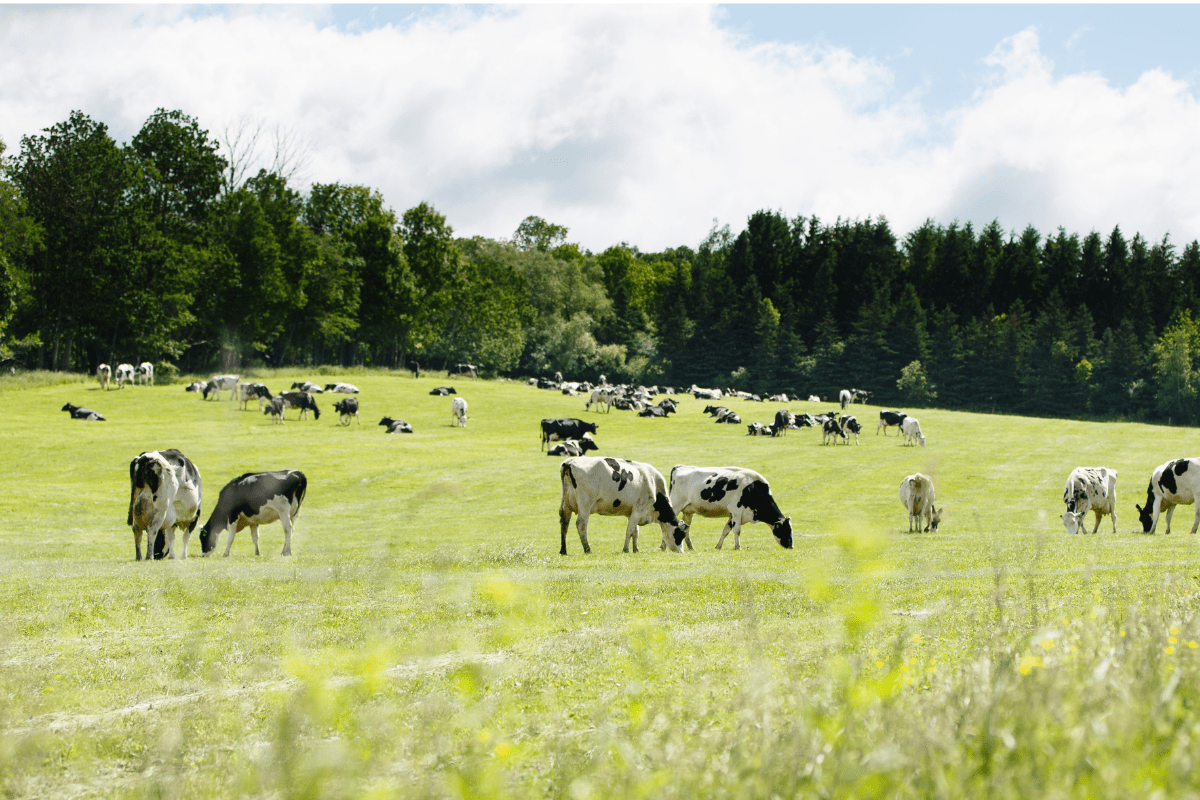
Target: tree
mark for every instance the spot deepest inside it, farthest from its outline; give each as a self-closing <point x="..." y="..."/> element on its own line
<point x="1174" y="371"/>
<point x="434" y="261"/>
<point x="534" y="233"/>
<point x="914" y="385"/>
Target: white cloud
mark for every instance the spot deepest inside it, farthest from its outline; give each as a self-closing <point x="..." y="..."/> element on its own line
<point x="635" y="123"/>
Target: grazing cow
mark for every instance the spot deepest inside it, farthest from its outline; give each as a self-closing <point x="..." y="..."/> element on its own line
<point x="395" y="425"/>
<point x="467" y="369"/>
<point x="573" y="447"/>
<point x="602" y="397"/>
<point x="911" y="429"/>
<point x="844" y="397"/>
<point x="611" y="487"/>
<point x="346" y="409"/>
<point x="253" y="499"/>
<point x="735" y="492"/>
<point x="458" y="412"/>
<point x="145" y="374"/>
<point x="443" y="391"/>
<point x="888" y="418"/>
<point x="164" y="496"/>
<point x="812" y="398"/>
<point x="341" y="388"/>
<point x="195" y="387"/>
<point x="565" y="428"/>
<point x="78" y="412"/>
<point x="303" y="401"/>
<point x="1174" y="483"/>
<point x="307" y="386"/>
<point x="275" y="409"/>
<point x="124" y="373"/>
<point x="219" y="383"/>
<point x="104" y="374"/>
<point x="1090" y="488"/>
<point x="850" y="425"/>
<point x="917" y="496"/>
<point x="252" y="391"/>
<point x="653" y="411"/>
<point x="831" y="430"/>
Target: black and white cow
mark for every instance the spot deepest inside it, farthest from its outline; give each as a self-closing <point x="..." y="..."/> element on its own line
<point x="303" y="401"/>
<point x="812" y="398"/>
<point x="124" y="373"/>
<point x="911" y="429"/>
<point x="741" y="494"/>
<point x="252" y="391"/>
<point x="758" y="429"/>
<point x="1090" y="488"/>
<point x="850" y="425"/>
<point x="253" y="499"/>
<point x="601" y="396"/>
<point x="145" y="374"/>
<point x="458" y="412"/>
<point x="442" y="391"/>
<point x="467" y="369"/>
<point x="165" y="493"/>
<point x="917" y="496"/>
<point x="783" y="421"/>
<point x="395" y="425"/>
<point x="104" y="375"/>
<point x="653" y="411"/>
<point x="565" y="428"/>
<point x="859" y="396"/>
<point x="729" y="418"/>
<point x="616" y="487"/>
<point x="341" y="388"/>
<point x="844" y="397"/>
<point x="705" y="394"/>
<point x="307" y="386"/>
<point x="274" y="407"/>
<point x="346" y="409"/>
<point x="888" y="418"/>
<point x="220" y="383"/>
<point x="195" y="387"/>
<point x="1172" y="484"/>
<point x="574" y="447"/>
<point x="78" y="412"/>
<point x="668" y="405"/>
<point x="830" y="429"/>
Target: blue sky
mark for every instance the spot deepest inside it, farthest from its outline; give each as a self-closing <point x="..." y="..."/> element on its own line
<point x="645" y="123"/>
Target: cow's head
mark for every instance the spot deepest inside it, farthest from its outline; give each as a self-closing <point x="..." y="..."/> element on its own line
<point x="1146" y="515"/>
<point x="783" y="532"/>
<point x="935" y="519"/>
<point x="1072" y="520"/>
<point x="208" y="542"/>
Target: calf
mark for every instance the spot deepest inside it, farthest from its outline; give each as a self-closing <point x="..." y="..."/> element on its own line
<point x="301" y="400"/>
<point x="395" y="425"/>
<point x="917" y="496"/>
<point x="253" y="499"/>
<point x="830" y="429"/>
<point x="78" y="412"/>
<point x="573" y="447"/>
<point x="220" y="383"/>
<point x="1173" y="483"/>
<point x="850" y="425"/>
<point x="888" y="418"/>
<point x="741" y="494"/>
<point x="341" y="388"/>
<point x="307" y="386"/>
<point x="274" y="407"/>
<point x="565" y="428"/>
<point x="911" y="429"/>
<point x="104" y="374"/>
<point x="442" y="391"/>
<point x="1090" y="488"/>
<point x="124" y="373"/>
<point x="458" y="412"/>
<point x="616" y="487"/>
<point x="346" y="409"/>
<point x="252" y="391"/>
<point x="602" y="397"/>
<point x="164" y="496"/>
<point x="145" y="374"/>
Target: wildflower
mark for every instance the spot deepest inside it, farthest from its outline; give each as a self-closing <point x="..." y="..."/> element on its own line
<point x="503" y="750"/>
<point x="485" y="735"/>
<point x="1048" y="643"/>
<point x="916" y="637"/>
<point x="1174" y="631"/>
<point x="1192" y="644"/>
<point x="879" y="664"/>
<point x="1170" y="651"/>
<point x="1172" y="640"/>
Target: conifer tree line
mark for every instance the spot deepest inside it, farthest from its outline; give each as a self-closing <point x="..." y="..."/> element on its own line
<point x="163" y="250"/>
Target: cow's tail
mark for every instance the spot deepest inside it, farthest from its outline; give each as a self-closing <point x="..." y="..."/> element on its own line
<point x="671" y="484"/>
<point x="566" y="474"/>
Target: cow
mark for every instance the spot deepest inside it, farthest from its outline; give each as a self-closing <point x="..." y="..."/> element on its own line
<point x="729" y="418"/>
<point x="705" y="394"/>
<point x="888" y="418"/>
<point x="443" y="391"/>
<point x="219" y="383"/>
<point x="458" y="412"/>
<point x="917" y="496"/>
<point x="307" y="386"/>
<point x="301" y="400"/>
<point x="197" y="387"/>
<point x="602" y="397"/>
<point x="252" y="391"/>
<point x="145" y="374"/>
<point x="911" y="429"/>
<point x="341" y="388"/>
<point x="668" y="405"/>
<point x="612" y="487"/>
<point x="603" y="380"/>
<point x="395" y="425"/>
<point x="346" y="409"/>
<point x="783" y="421"/>
<point x="1173" y="483"/>
<point x="850" y="425"/>
<point x="467" y="369"/>
<point x="565" y="428"/>
<point x="573" y="447"/>
<point x="104" y="374"/>
<point x="741" y="494"/>
<point x="778" y="398"/>
<point x="844" y="397"/>
<point x="758" y="429"/>
<point x="164" y="497"/>
<point x="1090" y="488"/>
<point x="274" y="407"/>
<point x="812" y="398"/>
<point x="830" y="429"/>
<point x="653" y="411"/>
<point x="78" y="412"/>
<point x="253" y="499"/>
<point x="859" y="396"/>
<point x="124" y="373"/>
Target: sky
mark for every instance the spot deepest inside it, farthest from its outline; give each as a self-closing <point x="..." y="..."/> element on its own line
<point x="648" y="124"/>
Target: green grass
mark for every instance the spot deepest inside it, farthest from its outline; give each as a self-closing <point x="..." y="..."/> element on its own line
<point x="427" y="640"/>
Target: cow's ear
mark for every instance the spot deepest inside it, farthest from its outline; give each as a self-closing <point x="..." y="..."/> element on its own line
<point x="1139" y="508"/>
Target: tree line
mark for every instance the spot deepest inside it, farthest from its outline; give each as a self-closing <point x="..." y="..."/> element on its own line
<point x="167" y="249"/>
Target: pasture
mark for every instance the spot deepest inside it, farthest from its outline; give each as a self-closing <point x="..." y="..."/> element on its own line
<point x="426" y="639"/>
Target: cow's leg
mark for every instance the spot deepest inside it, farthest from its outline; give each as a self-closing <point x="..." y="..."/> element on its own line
<point x="187" y="535"/>
<point x="725" y="532"/>
<point x="631" y="534"/>
<point x="228" y="544"/>
<point x="687" y="537"/>
<point x="1170" y="512"/>
<point x="1196" y="524"/>
<point x="286" y="521"/>
<point x="254" y="538"/>
<point x="564" y="519"/>
<point x="169" y="533"/>
<point x="581" y="521"/>
<point x="137" y="545"/>
<point x="1099" y="514"/>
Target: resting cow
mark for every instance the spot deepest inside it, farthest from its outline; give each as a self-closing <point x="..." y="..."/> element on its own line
<point x="442" y="391"/>
<point x="574" y="447"/>
<point x="616" y="487"/>
<point x="78" y="412"/>
<point x="342" y="388"/>
<point x="307" y="386"/>
<point x="253" y="499"/>
<point x="164" y="496"/>
<point x="1173" y="483"/>
<point x="917" y="496"/>
<point x="1090" y="488"/>
<point x="741" y="494"/>
<point x="395" y="425"/>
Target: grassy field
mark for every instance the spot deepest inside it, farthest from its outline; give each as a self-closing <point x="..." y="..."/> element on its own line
<point x="427" y="640"/>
